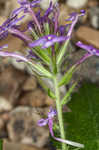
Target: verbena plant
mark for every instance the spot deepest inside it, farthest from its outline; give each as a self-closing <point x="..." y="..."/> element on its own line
<point x="47" y="46"/>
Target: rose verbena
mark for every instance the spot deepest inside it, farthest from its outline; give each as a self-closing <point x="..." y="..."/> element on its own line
<point x="47" y="45"/>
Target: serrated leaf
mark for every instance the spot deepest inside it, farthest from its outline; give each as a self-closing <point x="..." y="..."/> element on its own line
<point x="62" y="52"/>
<point x="40" y="70"/>
<point x="51" y="94"/>
<point x="83" y="121"/>
<point x="67" y="77"/>
<point x="68" y="93"/>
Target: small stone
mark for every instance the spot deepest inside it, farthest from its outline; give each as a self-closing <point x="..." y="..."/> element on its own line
<point x="97" y="68"/>
<point x="49" y="101"/>
<point x="33" y="98"/>
<point x="92" y="3"/>
<point x="76" y="4"/>
<point x="7" y="145"/>
<point x="88" y="36"/>
<point x="1" y="123"/>
<point x="22" y="127"/>
<point x="30" y="84"/>
<point x="10" y="82"/>
<point x="4" y="105"/>
<point x="94" y="17"/>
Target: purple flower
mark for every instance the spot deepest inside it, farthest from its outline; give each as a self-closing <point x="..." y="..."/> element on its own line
<point x="26" y="7"/>
<point x="49" y="120"/>
<point x="74" y="18"/>
<point x="10" y="54"/>
<point x="8" y="25"/>
<point x="47" y="41"/>
<point x="62" y="29"/>
<point x="48" y="11"/>
<point x="89" y="48"/>
<point x="4" y="46"/>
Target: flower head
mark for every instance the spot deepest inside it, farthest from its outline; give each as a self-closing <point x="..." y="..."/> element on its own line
<point x="25" y="6"/>
<point x="49" y="120"/>
<point x="47" y="41"/>
<point x="89" y="48"/>
<point x="74" y="18"/>
<point x="9" y="24"/>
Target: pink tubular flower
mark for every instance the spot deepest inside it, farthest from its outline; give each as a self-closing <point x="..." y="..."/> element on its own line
<point x="49" y="121"/>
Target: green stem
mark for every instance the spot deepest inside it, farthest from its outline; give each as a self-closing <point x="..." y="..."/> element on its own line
<point x="59" y="111"/>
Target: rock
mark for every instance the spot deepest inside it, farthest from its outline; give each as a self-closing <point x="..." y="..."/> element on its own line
<point x="4" y="105"/>
<point x="22" y="127"/>
<point x="16" y="146"/>
<point x="88" y="70"/>
<point x="94" y="17"/>
<point x="1" y="124"/>
<point x="88" y="36"/>
<point x="49" y="101"/>
<point x="92" y="3"/>
<point x="30" y="84"/>
<point x="10" y="84"/>
<point x="45" y="3"/>
<point x="5" y="8"/>
<point x="76" y="4"/>
<point x="34" y="98"/>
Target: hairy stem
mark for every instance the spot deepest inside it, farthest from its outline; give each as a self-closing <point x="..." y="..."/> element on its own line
<point x="59" y="111"/>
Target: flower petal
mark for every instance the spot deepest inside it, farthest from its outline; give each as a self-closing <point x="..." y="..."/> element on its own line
<point x="88" y="48"/>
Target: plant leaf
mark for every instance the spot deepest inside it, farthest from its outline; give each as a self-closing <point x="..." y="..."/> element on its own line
<point x="42" y="54"/>
<point x="67" y="77"/>
<point x="51" y="94"/>
<point x="40" y="70"/>
<point x="68" y="93"/>
<point x="47" y="29"/>
<point x="83" y="121"/>
<point x="62" y="52"/>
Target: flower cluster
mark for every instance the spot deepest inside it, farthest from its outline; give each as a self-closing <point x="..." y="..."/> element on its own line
<point x="47" y="44"/>
<point x="49" y="121"/>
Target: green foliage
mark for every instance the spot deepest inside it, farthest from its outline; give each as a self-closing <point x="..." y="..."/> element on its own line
<point x="67" y="77"/>
<point x="51" y="94"/>
<point x="42" y="55"/>
<point x="47" y="28"/>
<point x="1" y="144"/>
<point x="62" y="52"/>
<point x="68" y="93"/>
<point x="83" y="122"/>
<point x="40" y="70"/>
